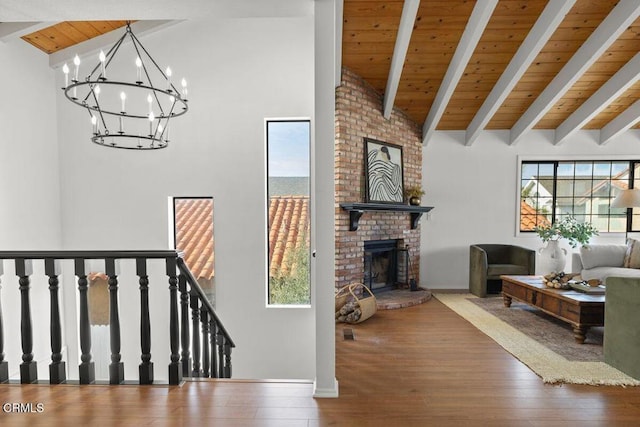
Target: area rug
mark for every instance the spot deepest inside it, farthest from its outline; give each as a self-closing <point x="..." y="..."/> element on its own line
<point x="554" y="367"/>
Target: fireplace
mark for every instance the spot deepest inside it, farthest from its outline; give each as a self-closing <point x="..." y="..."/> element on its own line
<point x="384" y="264"/>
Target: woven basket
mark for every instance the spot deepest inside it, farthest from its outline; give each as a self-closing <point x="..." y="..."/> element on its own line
<point x="367" y="304"/>
<point x="342" y="296"/>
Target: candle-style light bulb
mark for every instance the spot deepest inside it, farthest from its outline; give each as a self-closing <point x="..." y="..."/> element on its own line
<point x="123" y="98"/>
<point x="76" y="62"/>
<point x="103" y="58"/>
<point x="65" y="70"/>
<point x="138" y="70"/>
<point x="150" y="100"/>
<point x="96" y="91"/>
<point x="160" y="130"/>
<point x="151" y="119"/>
<point x="184" y="88"/>
<point x="94" y="122"/>
<point x="168" y="73"/>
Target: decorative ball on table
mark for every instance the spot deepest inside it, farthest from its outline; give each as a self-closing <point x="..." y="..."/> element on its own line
<point x="558" y="280"/>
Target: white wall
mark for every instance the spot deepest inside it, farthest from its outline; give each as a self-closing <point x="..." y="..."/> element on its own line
<point x="239" y="71"/>
<point x="474" y="192"/>
<point x="29" y="186"/>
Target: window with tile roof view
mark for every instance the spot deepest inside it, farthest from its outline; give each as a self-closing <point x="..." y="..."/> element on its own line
<point x="583" y="189"/>
<point x="288" y="211"/>
<point x="193" y="222"/>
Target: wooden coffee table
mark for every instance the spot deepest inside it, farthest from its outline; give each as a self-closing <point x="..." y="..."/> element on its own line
<point x="579" y="309"/>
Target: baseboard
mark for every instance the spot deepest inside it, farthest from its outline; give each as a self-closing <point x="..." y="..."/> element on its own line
<point x="324" y="393"/>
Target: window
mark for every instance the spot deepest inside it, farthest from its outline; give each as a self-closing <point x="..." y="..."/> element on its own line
<point x="552" y="190"/>
<point x="288" y="213"/>
<point x="193" y="228"/>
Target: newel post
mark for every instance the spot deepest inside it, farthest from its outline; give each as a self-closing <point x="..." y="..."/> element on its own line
<point x="4" y="366"/>
<point x="57" y="368"/>
<point x="28" y="367"/>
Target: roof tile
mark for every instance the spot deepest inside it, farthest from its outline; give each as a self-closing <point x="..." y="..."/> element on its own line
<point x="288" y="230"/>
<point x="194" y="235"/>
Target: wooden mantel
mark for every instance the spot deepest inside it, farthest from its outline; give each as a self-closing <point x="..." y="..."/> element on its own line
<point x="357" y="209"/>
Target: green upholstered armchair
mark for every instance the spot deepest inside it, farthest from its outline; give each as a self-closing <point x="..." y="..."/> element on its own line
<point x="488" y="262"/>
<point x="622" y="325"/>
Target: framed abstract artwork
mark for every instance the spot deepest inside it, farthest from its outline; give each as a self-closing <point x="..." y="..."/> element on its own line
<point x="383" y="172"/>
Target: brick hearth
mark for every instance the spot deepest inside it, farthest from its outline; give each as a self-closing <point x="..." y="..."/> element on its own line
<point x="359" y="115"/>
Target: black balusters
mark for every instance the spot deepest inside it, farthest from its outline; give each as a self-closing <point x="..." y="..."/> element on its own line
<point x="57" y="368"/>
<point x="212" y="342"/>
<point x="87" y="367"/>
<point x="184" y="324"/>
<point x="201" y="347"/>
<point x="28" y="367"/>
<point x="204" y="321"/>
<point x="4" y="366"/>
<point x="116" y="367"/>
<point x="175" y="373"/>
<point x="195" y="313"/>
<point x="227" y="358"/>
<point x="219" y="344"/>
<point x="145" y="369"/>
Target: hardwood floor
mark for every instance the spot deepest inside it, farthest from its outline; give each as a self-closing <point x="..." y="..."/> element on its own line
<point x="418" y="366"/>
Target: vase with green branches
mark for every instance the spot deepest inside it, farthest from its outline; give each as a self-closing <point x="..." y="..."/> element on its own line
<point x="575" y="232"/>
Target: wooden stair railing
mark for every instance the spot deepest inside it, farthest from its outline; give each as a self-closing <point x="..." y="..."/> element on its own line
<point x="216" y="341"/>
<point x="184" y="293"/>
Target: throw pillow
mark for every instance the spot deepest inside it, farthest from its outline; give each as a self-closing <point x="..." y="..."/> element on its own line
<point x="632" y="256"/>
<point x="593" y="256"/>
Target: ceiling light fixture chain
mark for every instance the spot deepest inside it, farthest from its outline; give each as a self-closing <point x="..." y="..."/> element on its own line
<point x="132" y="112"/>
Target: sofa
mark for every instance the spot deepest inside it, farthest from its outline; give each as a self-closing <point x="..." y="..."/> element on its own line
<point x="621" y="320"/>
<point x="603" y="261"/>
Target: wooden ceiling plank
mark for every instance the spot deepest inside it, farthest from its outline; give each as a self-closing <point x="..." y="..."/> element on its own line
<point x="94" y="45"/>
<point x="72" y="32"/>
<point x="542" y="30"/>
<point x="407" y="21"/>
<point x="473" y="31"/>
<point x="58" y="36"/>
<point x="608" y="92"/>
<point x="13" y="30"/>
<point x="621" y="17"/>
<point x="40" y="41"/>
<point x="624" y="121"/>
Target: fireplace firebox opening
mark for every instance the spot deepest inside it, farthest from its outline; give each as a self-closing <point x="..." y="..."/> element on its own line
<point x="385" y="264"/>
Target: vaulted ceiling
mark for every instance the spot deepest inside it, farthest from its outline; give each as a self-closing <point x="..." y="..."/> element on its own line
<point x="509" y="64"/>
<point x="474" y="65"/>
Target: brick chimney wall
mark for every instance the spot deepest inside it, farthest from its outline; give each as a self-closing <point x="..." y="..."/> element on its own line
<point x="359" y="115"/>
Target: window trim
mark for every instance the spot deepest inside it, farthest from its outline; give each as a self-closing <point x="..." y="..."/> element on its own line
<point x="268" y="120"/>
<point x="560" y="158"/>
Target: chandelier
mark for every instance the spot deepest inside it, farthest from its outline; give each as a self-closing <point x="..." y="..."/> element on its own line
<point x="132" y="112"/>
